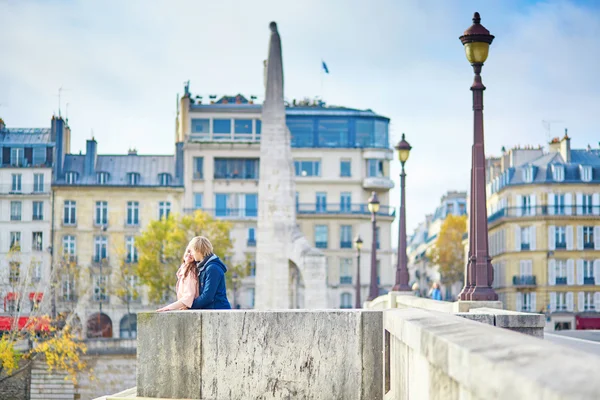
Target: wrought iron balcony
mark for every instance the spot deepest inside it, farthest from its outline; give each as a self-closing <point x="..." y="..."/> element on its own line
<point x="524" y="280"/>
<point x="25" y="189"/>
<point x="544" y="210"/>
<point x="251" y="242"/>
<point x="345" y="280"/>
<point x="589" y="280"/>
<point x="562" y="280"/>
<point x="301" y="209"/>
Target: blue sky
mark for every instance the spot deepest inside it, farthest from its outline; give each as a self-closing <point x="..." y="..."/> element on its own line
<point x="121" y="65"/>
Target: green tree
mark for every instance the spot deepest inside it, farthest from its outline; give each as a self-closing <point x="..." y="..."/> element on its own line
<point x="162" y="244"/>
<point x="448" y="251"/>
<point x="124" y="283"/>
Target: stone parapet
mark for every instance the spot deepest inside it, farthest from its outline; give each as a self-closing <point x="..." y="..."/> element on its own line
<point x="260" y="354"/>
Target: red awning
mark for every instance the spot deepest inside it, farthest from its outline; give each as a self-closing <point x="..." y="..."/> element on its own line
<point x="37" y="296"/>
<point x="7" y="323"/>
<point x="587" y="322"/>
<point x="11" y="296"/>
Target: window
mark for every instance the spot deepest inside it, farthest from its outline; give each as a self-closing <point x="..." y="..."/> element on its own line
<point x="586" y="173"/>
<point x="346" y="236"/>
<point x="243" y="126"/>
<point x="37" y="241"/>
<point x="221" y="128"/>
<point x="251" y="205"/>
<point x="588" y="301"/>
<point x="302" y="131"/>
<point x="71" y="178"/>
<point x="16" y="183"/>
<point x="345" y="271"/>
<point x="38" y="211"/>
<point x="561" y="272"/>
<point x="69" y="246"/>
<point x="381" y="134"/>
<point x="449" y="208"/>
<point x="17" y="157"/>
<point x="100" y="245"/>
<point x="251" y="296"/>
<point x="307" y="168"/>
<point x="527" y="205"/>
<point x="321" y="205"/>
<point x="101" y="213"/>
<point x="528" y="174"/>
<point x="333" y="132"/>
<point x="36" y="271"/>
<point x="38" y="183"/>
<point x="346" y="300"/>
<point x="378" y="236"/>
<point x="14" y="274"/>
<point x="198" y="167"/>
<point x="258" y="126"/>
<point x="236" y="168"/>
<point x="133" y="178"/>
<point x="70" y="216"/>
<point x="198" y="201"/>
<point x="15" y="210"/>
<point x="525" y="238"/>
<point x="128" y="327"/>
<point x="321" y="236"/>
<point x="588" y="272"/>
<point x="164" y="209"/>
<point x="236" y="204"/>
<point x="462" y="208"/>
<point x="132" y="282"/>
<point x="559" y="204"/>
<point x="345" y="202"/>
<point x="345" y="168"/>
<point x="253" y="265"/>
<point x="100" y="288"/>
<point x="251" y="237"/>
<point x="133" y="213"/>
<point x="201" y="126"/>
<point x="39" y="155"/>
<point x="586" y="204"/>
<point x="558" y="173"/>
<point x="588" y="237"/>
<point x="375" y="168"/>
<point x="132" y="254"/>
<point x="102" y="178"/>
<point x="164" y="179"/>
<point x="68" y="288"/>
<point x="560" y="237"/>
<point x="15" y="241"/>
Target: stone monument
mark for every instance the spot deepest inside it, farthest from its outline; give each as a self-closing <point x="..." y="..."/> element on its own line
<point x="290" y="273"/>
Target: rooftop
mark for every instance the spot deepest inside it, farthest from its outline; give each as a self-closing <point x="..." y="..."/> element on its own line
<point x="25" y="136"/>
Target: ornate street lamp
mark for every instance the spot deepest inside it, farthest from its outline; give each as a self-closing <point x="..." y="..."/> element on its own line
<point x="374" y="209"/>
<point x="479" y="276"/>
<point x="358" y="244"/>
<point x="401" y="283"/>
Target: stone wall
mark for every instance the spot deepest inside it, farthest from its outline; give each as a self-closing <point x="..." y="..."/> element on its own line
<point x="292" y="354"/>
<point x="433" y="355"/>
<point x="16" y="387"/>
<point x="112" y="373"/>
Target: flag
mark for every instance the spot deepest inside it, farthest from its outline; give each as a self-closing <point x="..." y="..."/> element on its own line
<point x="325" y="67"/>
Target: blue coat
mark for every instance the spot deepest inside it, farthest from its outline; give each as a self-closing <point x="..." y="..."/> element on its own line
<point x="213" y="292"/>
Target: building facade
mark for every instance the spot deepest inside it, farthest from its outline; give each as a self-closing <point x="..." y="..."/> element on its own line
<point x="340" y="156"/>
<point x="544" y="232"/>
<point x="26" y="159"/>
<point x="101" y="203"/>
<point x="421" y="269"/>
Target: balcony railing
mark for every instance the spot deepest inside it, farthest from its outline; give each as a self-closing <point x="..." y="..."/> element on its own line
<point x="589" y="280"/>
<point x="544" y="210"/>
<point x="524" y="280"/>
<point x="345" y="245"/>
<point x="98" y="260"/>
<point x="345" y="280"/>
<point x="25" y="189"/>
<point x="301" y="209"/>
<point x="251" y="243"/>
<point x="321" y="245"/>
<point x="561" y="280"/>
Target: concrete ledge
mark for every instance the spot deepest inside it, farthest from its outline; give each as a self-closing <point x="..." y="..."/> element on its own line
<point x="424" y="303"/>
<point x="432" y="355"/>
<point x="527" y="323"/>
<point x="260" y="354"/>
<point x="466" y="306"/>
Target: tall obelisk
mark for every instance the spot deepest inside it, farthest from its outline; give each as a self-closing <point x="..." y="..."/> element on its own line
<point x="280" y="245"/>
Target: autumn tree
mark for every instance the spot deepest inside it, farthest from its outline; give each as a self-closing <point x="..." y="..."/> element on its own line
<point x="124" y="282"/>
<point x="33" y="333"/>
<point x="448" y="251"/>
<point x="162" y="244"/>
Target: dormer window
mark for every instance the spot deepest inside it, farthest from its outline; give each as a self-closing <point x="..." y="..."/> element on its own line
<point x="71" y="178"/>
<point x="586" y="173"/>
<point x="133" y="178"/>
<point x="164" y="179"/>
<point x="102" y="178"/>
<point x="528" y="174"/>
<point x="558" y="173"/>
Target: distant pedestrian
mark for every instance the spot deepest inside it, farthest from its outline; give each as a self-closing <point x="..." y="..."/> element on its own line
<point x="436" y="293"/>
<point x="416" y="290"/>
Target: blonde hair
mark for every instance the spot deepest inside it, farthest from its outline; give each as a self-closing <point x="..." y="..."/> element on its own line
<point x="201" y="245"/>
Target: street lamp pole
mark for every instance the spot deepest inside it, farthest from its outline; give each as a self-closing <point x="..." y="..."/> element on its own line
<point x="401" y="283"/>
<point x="358" y="243"/>
<point x="480" y="274"/>
<point x="373" y="208"/>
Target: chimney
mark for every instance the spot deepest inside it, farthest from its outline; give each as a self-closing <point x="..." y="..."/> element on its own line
<point x="565" y="147"/>
<point x="90" y="157"/>
<point x="132" y="152"/>
<point x="554" y="145"/>
<point x="57" y="135"/>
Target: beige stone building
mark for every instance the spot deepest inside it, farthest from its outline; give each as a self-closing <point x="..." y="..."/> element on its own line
<point x="340" y="156"/>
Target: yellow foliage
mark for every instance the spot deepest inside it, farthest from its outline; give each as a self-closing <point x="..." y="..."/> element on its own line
<point x="9" y="357"/>
<point x="63" y="353"/>
<point x="448" y="252"/>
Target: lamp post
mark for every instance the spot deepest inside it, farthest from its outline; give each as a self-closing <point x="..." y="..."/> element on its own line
<point x="479" y="276"/>
<point x="358" y="244"/>
<point x="374" y="209"/>
<point x="401" y="283"/>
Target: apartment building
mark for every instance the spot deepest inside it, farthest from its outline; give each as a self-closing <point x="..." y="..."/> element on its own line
<point x="340" y="155"/>
<point x="544" y="232"/>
